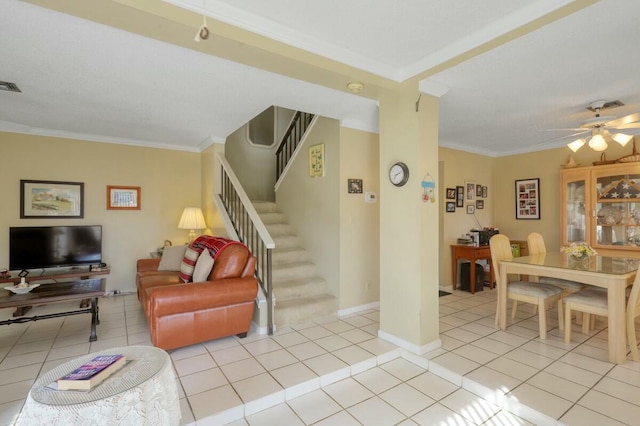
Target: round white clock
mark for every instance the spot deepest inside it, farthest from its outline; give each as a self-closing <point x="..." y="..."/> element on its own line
<point x="399" y="173"/>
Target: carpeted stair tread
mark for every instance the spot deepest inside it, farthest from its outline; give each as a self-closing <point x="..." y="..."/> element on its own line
<point x="290" y="271"/>
<point x="296" y="311"/>
<point x="288" y="255"/>
<point x="264" y="206"/>
<point x="289" y="289"/>
<point x="279" y="229"/>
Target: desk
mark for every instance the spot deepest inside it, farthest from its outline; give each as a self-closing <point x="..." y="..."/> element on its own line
<point x="612" y="273"/>
<point x="471" y="253"/>
<point x="143" y="392"/>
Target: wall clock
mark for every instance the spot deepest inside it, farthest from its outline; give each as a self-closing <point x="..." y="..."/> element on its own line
<point x="399" y="173"/>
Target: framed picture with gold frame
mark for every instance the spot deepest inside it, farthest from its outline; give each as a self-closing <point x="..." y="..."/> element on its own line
<point x="123" y="197"/>
<point x="316" y="160"/>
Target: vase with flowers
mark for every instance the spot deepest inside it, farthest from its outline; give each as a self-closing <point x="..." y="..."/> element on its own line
<point x="579" y="250"/>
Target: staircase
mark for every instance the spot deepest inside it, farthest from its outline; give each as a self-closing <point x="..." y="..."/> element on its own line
<point x="300" y="294"/>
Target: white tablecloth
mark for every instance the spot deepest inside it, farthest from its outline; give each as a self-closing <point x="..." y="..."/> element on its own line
<point x="143" y="392"/>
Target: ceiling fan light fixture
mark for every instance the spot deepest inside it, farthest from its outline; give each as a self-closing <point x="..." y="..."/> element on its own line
<point x="597" y="143"/>
<point x="576" y="145"/>
<point x="622" y="139"/>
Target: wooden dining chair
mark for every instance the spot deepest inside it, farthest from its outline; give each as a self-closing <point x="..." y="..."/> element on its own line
<point x="539" y="294"/>
<point x="536" y="245"/>
<point x="594" y="302"/>
<point x="633" y="311"/>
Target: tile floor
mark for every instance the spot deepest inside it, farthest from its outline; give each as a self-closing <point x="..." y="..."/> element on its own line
<point x="337" y="372"/>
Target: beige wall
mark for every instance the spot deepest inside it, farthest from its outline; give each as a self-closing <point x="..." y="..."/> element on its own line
<point x="312" y="204"/>
<point x="170" y="181"/>
<point x="409" y="258"/>
<point x="359" y="220"/>
<point x="456" y="168"/>
<point x="210" y="187"/>
<point x="258" y="180"/>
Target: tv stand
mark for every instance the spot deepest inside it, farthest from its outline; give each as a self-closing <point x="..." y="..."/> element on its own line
<point x="52" y="274"/>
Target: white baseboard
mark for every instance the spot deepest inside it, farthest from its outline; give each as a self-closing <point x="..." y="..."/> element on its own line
<point x="356" y="309"/>
<point x="420" y="350"/>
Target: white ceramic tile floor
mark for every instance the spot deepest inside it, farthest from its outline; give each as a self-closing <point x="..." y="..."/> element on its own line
<point x="335" y="371"/>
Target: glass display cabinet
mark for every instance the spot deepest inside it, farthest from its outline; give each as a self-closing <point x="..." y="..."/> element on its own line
<point x="601" y="205"/>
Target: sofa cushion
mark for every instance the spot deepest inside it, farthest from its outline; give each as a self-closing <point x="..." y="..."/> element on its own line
<point x="172" y="258"/>
<point x="189" y="262"/>
<point x="203" y="267"/>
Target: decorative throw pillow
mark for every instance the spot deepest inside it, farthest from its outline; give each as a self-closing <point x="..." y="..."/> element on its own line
<point x="172" y="258"/>
<point x="203" y="267"/>
<point x="189" y="262"/>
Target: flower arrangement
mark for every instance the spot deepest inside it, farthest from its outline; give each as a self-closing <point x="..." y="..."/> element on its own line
<point x="579" y="250"/>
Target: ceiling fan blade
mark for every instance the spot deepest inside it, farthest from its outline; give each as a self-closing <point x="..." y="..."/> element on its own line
<point x="628" y="126"/>
<point x="573" y="135"/>
<point x="628" y="131"/>
<point x="577" y="129"/>
<point x="622" y="121"/>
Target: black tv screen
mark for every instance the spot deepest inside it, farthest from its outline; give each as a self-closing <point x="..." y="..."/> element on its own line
<point x="36" y="247"/>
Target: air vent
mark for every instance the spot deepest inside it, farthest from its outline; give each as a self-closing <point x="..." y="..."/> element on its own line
<point x="9" y="87"/>
<point x="606" y="105"/>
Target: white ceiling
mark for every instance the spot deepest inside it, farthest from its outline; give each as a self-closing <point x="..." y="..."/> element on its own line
<point x="85" y="80"/>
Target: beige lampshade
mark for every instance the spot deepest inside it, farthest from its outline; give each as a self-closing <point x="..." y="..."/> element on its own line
<point x="192" y="219"/>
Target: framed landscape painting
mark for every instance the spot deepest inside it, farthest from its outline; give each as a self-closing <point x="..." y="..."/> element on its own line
<point x="47" y="199"/>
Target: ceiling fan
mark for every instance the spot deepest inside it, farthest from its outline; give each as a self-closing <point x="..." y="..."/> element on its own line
<point x="599" y="129"/>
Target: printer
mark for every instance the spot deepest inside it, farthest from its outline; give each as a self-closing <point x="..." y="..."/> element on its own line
<point x="481" y="237"/>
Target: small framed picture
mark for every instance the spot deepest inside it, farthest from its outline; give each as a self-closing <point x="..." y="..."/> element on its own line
<point x="469" y="191"/>
<point x="459" y="196"/>
<point x="484" y="192"/>
<point x="478" y="190"/>
<point x="451" y="193"/>
<point x="471" y="209"/>
<point x="123" y="197"/>
<point x="480" y="204"/>
<point x="451" y="206"/>
<point x="354" y="186"/>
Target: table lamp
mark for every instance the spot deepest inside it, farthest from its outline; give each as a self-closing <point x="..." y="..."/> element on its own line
<point x="192" y="219"/>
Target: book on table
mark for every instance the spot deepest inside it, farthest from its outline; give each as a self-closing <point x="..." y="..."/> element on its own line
<point x="92" y="373"/>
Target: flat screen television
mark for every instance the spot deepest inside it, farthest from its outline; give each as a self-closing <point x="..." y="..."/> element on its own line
<point x="35" y="247"/>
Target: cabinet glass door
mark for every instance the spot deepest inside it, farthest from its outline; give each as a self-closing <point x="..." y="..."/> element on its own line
<point x="618" y="210"/>
<point x="575" y="213"/>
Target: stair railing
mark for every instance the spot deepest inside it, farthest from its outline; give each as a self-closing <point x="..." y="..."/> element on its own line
<point x="291" y="139"/>
<point x="250" y="230"/>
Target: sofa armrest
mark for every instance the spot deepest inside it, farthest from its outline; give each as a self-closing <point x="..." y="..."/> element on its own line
<point x="180" y="298"/>
<point x="145" y="265"/>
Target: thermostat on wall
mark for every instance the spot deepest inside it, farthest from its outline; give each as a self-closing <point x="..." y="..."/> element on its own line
<point x="370" y="197"/>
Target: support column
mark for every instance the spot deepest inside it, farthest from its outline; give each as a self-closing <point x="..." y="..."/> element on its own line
<point x="408" y="225"/>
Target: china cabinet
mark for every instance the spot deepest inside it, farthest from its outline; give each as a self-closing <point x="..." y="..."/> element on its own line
<point x="601" y="205"/>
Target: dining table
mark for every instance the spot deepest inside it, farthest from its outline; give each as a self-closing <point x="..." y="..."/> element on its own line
<point x="611" y="273"/>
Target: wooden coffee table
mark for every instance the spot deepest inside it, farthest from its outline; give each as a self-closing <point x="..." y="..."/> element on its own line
<point x="89" y="289"/>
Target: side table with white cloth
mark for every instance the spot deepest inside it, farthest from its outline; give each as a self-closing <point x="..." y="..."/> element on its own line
<point x="143" y="392"/>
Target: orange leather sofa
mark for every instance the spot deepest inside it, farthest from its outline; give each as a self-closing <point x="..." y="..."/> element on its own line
<point x="181" y="314"/>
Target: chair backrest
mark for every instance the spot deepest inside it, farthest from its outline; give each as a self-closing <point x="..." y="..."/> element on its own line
<point x="500" y="247"/>
<point x="535" y="242"/>
<point x="633" y="304"/>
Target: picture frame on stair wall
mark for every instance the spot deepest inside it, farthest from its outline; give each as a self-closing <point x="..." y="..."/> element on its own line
<point x="316" y="160"/>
